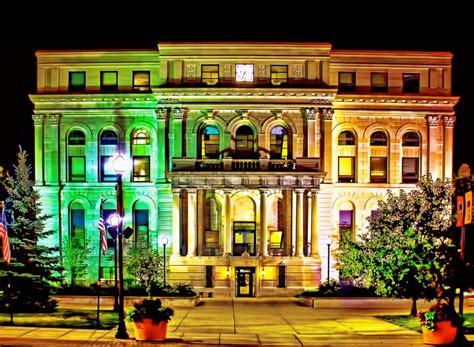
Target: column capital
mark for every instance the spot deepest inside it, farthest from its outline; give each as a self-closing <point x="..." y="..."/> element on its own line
<point x="328" y="113"/>
<point x="191" y="190"/>
<point x="161" y="112"/>
<point x="312" y="113"/>
<point x="432" y="119"/>
<point x="449" y="121"/>
<point x="54" y="118"/>
<point x="177" y="113"/>
<point x="176" y="190"/>
<point x="38" y="119"/>
<point x="314" y="191"/>
<point x="300" y="190"/>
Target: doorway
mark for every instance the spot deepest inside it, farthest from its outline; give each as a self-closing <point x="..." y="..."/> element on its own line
<point x="244" y="281"/>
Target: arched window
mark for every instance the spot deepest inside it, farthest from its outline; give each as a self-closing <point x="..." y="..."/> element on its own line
<point x="378" y="138"/>
<point x="109" y="137"/>
<point x="346" y="138"/>
<point x="210" y="142"/>
<point x="141" y="225"/>
<point x="76" y="137"/>
<point x="141" y="137"/>
<point x="410" y="139"/>
<point x="211" y="223"/>
<point x="278" y="143"/>
<point x="107" y="149"/>
<point x="77" y="225"/>
<point x="244" y="142"/>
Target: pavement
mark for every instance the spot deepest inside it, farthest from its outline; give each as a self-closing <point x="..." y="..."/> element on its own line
<point x="254" y="322"/>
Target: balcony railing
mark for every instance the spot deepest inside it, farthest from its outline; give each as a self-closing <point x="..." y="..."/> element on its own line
<point x="231" y="164"/>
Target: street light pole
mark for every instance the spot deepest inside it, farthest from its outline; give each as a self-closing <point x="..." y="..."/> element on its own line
<point x="119" y="166"/>
<point x="328" y="242"/>
<point x="164" y="242"/>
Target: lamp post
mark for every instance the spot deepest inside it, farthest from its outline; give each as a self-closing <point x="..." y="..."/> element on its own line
<point x="120" y="165"/>
<point x="328" y="243"/>
<point x="164" y="242"/>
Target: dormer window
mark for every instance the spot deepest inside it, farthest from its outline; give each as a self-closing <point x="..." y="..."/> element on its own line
<point x="279" y="74"/>
<point x="210" y="74"/>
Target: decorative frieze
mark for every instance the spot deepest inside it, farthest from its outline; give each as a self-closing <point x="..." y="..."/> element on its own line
<point x="261" y="70"/>
<point x="297" y="71"/>
<point x="191" y="71"/>
<point x="226" y="70"/>
<point x="433" y="120"/>
<point x="321" y="101"/>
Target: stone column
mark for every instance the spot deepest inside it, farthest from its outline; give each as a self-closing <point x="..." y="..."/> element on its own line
<point x="54" y="148"/>
<point x="314" y="223"/>
<point x="192" y="192"/>
<point x="175" y="134"/>
<point x="227" y="224"/>
<point x="299" y="222"/>
<point x="263" y="224"/>
<point x="327" y="143"/>
<point x="161" y="115"/>
<point x="39" y="142"/>
<point x="176" y="221"/>
<point x="448" y="145"/>
<point x="311" y="143"/>
<point x="433" y="168"/>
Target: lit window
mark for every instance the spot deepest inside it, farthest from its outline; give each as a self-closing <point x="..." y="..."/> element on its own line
<point x="108" y="81"/>
<point x="244" y="72"/>
<point x="141" y="169"/>
<point x="278" y="143"/>
<point x="141" y="137"/>
<point x="378" y="138"/>
<point x="141" y="226"/>
<point x="411" y="83"/>
<point x="279" y="74"/>
<point x="346" y="138"/>
<point x="210" y="74"/>
<point x="346" y="169"/>
<point x="77" y="81"/>
<point x="141" y="81"/>
<point x="107" y="171"/>
<point x="410" y="139"/>
<point x="347" y="81"/>
<point x="77" y="169"/>
<point x="244" y="142"/>
<point x="378" y="170"/>
<point x="409" y="170"/>
<point x="378" y="82"/>
<point x="276" y="239"/>
<point x="76" y="138"/>
<point x="210" y="142"/>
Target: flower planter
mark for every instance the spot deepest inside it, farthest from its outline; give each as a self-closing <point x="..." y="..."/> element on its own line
<point x="443" y="334"/>
<point x="148" y="331"/>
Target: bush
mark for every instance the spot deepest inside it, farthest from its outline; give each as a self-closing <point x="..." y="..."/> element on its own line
<point x="335" y="289"/>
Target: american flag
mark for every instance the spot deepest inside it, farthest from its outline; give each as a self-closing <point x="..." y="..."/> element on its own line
<point x="103" y="235"/>
<point x="4" y="236"/>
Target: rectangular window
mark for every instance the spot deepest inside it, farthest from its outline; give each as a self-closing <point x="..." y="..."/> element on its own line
<point x="107" y="173"/>
<point x="346" y="169"/>
<point x="108" y="81"/>
<point x="141" y="169"/>
<point x="378" y="82"/>
<point x="378" y="170"/>
<point x="346" y="218"/>
<point x="77" y="81"/>
<point x="210" y="74"/>
<point x="276" y="239"/>
<point x="411" y="83"/>
<point x="141" y="228"/>
<point x="78" y="228"/>
<point x="409" y="170"/>
<point x="77" y="169"/>
<point x="279" y="74"/>
<point x="141" y="81"/>
<point x="347" y="81"/>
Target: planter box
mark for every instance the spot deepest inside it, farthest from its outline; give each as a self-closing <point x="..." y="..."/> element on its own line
<point x="307" y="301"/>
<point x="91" y="301"/>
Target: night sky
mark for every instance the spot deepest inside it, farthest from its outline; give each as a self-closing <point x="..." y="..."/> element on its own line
<point x="19" y="78"/>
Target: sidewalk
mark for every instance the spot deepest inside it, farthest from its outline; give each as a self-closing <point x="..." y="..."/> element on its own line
<point x="252" y="322"/>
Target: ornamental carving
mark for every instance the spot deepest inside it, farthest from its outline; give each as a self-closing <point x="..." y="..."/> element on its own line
<point x="177" y="113"/>
<point x="433" y="120"/>
<point x="261" y="70"/>
<point x="311" y="114"/>
<point x="297" y="71"/>
<point x="161" y="113"/>
<point x="191" y="71"/>
<point x="168" y="101"/>
<point x="227" y="70"/>
<point x="327" y="113"/>
<point x="54" y="118"/>
<point x="449" y="121"/>
<point x="38" y="119"/>
<point x="321" y="101"/>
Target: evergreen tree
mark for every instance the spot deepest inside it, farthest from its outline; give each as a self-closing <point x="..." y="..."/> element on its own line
<point x="34" y="269"/>
<point x="408" y="251"/>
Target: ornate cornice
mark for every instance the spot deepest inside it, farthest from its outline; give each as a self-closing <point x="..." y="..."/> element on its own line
<point x="433" y="120"/>
<point x="449" y="121"/>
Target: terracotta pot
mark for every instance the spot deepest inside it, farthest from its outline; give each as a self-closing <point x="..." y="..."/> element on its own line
<point x="147" y="330"/>
<point x="444" y="334"/>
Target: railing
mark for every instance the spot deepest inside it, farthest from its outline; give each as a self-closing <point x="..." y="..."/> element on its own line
<point x="245" y="165"/>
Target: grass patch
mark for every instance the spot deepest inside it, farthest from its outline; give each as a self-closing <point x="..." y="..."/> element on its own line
<point x="413" y="323"/>
<point x="63" y="318"/>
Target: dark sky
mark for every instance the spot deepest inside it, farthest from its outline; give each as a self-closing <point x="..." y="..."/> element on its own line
<point x="19" y="77"/>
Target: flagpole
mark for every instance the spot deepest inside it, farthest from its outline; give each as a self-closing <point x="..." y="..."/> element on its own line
<point x="10" y="302"/>
<point x="98" y="283"/>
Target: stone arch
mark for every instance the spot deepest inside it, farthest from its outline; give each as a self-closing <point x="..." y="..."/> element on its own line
<point x="344" y="126"/>
<point x="141" y="125"/>
<point x="78" y="126"/>
<point x="377" y="126"/>
<point x="411" y="127"/>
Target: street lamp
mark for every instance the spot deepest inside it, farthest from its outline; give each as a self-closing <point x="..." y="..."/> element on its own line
<point x="119" y="165"/>
<point x="164" y="242"/>
<point x="328" y="243"/>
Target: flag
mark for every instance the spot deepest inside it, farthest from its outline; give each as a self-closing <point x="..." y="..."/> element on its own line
<point x="103" y="235"/>
<point x="4" y="236"/>
<point x="468" y="209"/>
<point x="460" y="211"/>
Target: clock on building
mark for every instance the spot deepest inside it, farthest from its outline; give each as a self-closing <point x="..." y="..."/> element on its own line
<point x="244" y="72"/>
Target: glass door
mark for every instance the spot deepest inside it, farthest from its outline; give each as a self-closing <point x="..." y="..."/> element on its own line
<point x="244" y="281"/>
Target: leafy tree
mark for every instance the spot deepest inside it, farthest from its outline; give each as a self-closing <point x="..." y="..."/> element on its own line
<point x="408" y="251"/>
<point x="34" y="269"/>
<point x="146" y="266"/>
<point x="75" y="258"/>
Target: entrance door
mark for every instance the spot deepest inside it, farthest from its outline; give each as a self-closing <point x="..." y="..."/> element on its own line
<point x="244" y="283"/>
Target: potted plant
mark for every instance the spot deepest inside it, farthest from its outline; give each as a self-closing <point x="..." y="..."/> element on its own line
<point x="439" y="324"/>
<point x="150" y="319"/>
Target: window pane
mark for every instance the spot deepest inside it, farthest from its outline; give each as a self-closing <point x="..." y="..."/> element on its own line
<point x="141" y="137"/>
<point x="279" y="74"/>
<point x="346" y="138"/>
<point x="109" y="137"/>
<point x="410" y="170"/>
<point x="276" y="239"/>
<point x="107" y="172"/>
<point x="141" y="169"/>
<point x="346" y="81"/>
<point x="410" y="139"/>
<point x="141" y="81"/>
<point x="77" y="137"/>
<point x="78" y="230"/>
<point x="210" y="74"/>
<point x="378" y="170"/>
<point x="378" y="82"/>
<point x="141" y="228"/>
<point x="346" y="166"/>
<point x="378" y="138"/>
<point x="77" y="81"/>
<point x="109" y="80"/>
<point x="411" y="83"/>
<point x="77" y="169"/>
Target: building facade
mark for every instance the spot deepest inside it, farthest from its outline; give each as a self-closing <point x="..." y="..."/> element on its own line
<point x="251" y="158"/>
